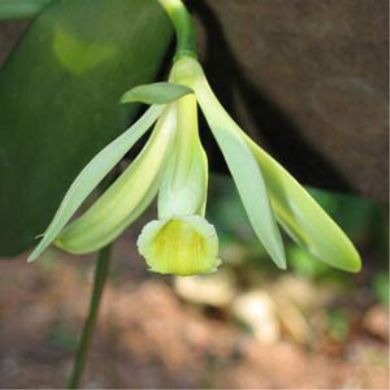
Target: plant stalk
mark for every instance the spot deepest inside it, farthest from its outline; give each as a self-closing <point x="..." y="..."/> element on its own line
<point x="101" y="273"/>
<point x="184" y="28"/>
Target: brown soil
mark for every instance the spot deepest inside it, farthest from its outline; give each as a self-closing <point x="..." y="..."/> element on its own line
<point x="148" y="338"/>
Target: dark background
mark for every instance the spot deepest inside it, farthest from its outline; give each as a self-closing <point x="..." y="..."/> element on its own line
<point x="310" y="80"/>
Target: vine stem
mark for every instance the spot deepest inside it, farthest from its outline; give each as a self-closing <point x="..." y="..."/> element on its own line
<point x="101" y="273"/>
<point x="184" y="28"/>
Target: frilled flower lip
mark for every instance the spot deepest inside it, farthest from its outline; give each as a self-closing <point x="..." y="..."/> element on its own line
<point x="183" y="246"/>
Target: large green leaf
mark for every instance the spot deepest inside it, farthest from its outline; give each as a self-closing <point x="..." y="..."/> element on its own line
<point x="59" y="101"/>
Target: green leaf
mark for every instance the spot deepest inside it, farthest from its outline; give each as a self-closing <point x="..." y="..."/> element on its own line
<point x="245" y="171"/>
<point x="59" y="96"/>
<point x="92" y="175"/>
<point x="78" y="56"/>
<point x="21" y="9"/>
<point x="303" y="219"/>
<point x="157" y="93"/>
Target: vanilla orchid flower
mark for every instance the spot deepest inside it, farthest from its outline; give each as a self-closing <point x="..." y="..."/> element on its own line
<point x="181" y="241"/>
<point x="173" y="167"/>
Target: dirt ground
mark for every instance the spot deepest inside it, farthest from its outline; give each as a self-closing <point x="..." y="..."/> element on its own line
<point x="148" y="337"/>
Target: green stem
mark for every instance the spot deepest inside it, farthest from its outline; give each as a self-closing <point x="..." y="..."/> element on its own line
<point x="101" y="272"/>
<point x="184" y="27"/>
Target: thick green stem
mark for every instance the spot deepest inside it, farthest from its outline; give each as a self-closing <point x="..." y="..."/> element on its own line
<point x="101" y="272"/>
<point x="184" y="27"/>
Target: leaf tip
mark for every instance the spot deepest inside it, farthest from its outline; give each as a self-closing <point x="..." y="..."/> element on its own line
<point x="355" y="265"/>
<point x="36" y="252"/>
<point x="127" y="97"/>
<point x="283" y="266"/>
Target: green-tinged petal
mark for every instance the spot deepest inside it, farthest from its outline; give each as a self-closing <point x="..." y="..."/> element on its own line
<point x="240" y="160"/>
<point x="184" y="187"/>
<point x="127" y="197"/>
<point x="157" y="93"/>
<point x="93" y="173"/>
<point x="182" y="246"/>
<point x="303" y="218"/>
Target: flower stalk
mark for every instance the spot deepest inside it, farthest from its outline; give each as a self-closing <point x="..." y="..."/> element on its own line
<point x="101" y="273"/>
<point x="184" y="28"/>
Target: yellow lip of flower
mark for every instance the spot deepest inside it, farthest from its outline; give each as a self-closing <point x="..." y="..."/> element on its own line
<point x="182" y="246"/>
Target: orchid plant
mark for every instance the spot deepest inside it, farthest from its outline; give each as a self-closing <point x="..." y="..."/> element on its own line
<point x="173" y="167"/>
